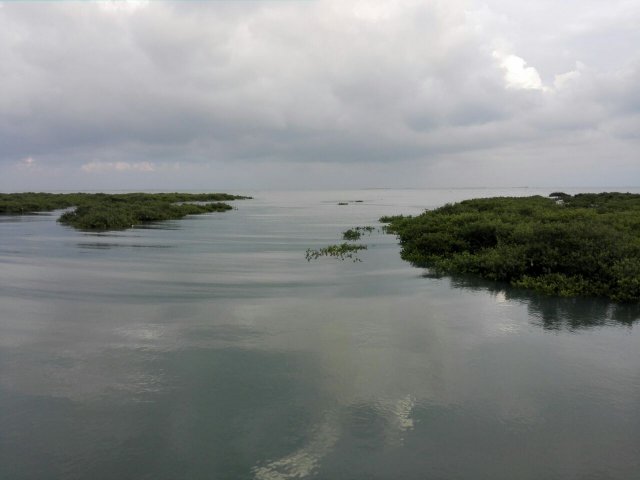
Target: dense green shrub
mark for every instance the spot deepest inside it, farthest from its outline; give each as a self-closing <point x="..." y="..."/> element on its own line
<point x="587" y="244"/>
<point x="351" y="234"/>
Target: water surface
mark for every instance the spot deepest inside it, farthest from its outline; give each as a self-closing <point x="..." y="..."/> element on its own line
<point x="209" y="348"/>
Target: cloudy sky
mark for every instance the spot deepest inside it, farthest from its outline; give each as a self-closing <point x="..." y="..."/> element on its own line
<point x="228" y="95"/>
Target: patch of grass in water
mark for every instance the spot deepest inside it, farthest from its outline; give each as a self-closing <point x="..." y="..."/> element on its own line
<point x="355" y="233"/>
<point x="341" y="251"/>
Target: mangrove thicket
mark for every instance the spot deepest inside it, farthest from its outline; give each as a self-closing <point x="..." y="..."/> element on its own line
<point x="567" y="245"/>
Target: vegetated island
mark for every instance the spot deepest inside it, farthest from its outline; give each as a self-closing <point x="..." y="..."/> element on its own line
<point x="102" y="211"/>
<point x="566" y="245"/>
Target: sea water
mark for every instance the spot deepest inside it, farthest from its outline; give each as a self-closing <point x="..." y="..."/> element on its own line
<point x="210" y="348"/>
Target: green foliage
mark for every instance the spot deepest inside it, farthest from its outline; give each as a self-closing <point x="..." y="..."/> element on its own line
<point x="351" y="234"/>
<point x="100" y="211"/>
<point x="559" y="195"/>
<point x="342" y="251"/>
<point x="355" y="233"/>
<point x="392" y="218"/>
<point x="587" y="244"/>
<point x="28" y="203"/>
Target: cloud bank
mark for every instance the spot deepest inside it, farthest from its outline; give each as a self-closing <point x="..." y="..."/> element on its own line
<point x="318" y="94"/>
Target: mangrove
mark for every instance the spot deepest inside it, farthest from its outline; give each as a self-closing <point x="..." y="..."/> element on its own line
<point x="566" y="245"/>
<point x="102" y="211"/>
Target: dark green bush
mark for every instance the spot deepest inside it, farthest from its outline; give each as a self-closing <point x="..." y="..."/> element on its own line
<point x="588" y="244"/>
<point x="351" y="234"/>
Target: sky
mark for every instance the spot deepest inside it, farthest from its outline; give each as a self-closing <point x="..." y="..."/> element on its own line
<point x="317" y="94"/>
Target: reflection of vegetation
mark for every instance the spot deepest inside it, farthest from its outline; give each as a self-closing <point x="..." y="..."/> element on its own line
<point x="588" y="244"/>
<point x="342" y="251"/>
<point x="356" y="232"/>
<point x="556" y="313"/>
<point x="343" y="203"/>
<point x="100" y="211"/>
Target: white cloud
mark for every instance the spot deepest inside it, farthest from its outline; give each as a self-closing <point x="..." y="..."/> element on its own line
<point x="517" y="74"/>
<point x="28" y="164"/>
<point x="563" y="80"/>
<point x="122" y="6"/>
<point x="101" y="167"/>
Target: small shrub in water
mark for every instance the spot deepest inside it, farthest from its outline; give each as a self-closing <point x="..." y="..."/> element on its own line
<point x="342" y="252"/>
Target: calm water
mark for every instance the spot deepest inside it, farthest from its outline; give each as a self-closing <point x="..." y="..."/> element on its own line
<point x="209" y="348"/>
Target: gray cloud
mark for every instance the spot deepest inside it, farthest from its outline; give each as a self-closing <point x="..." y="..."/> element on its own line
<point x="414" y="93"/>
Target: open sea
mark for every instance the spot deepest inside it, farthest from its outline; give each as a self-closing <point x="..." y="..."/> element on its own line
<point x="210" y="348"/>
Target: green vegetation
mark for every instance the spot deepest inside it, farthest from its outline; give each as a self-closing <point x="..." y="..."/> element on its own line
<point x="352" y="234"/>
<point x="586" y="244"/>
<point x="342" y="251"/>
<point x="101" y="211"/>
<point x="355" y="233"/>
<point x="28" y="203"/>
